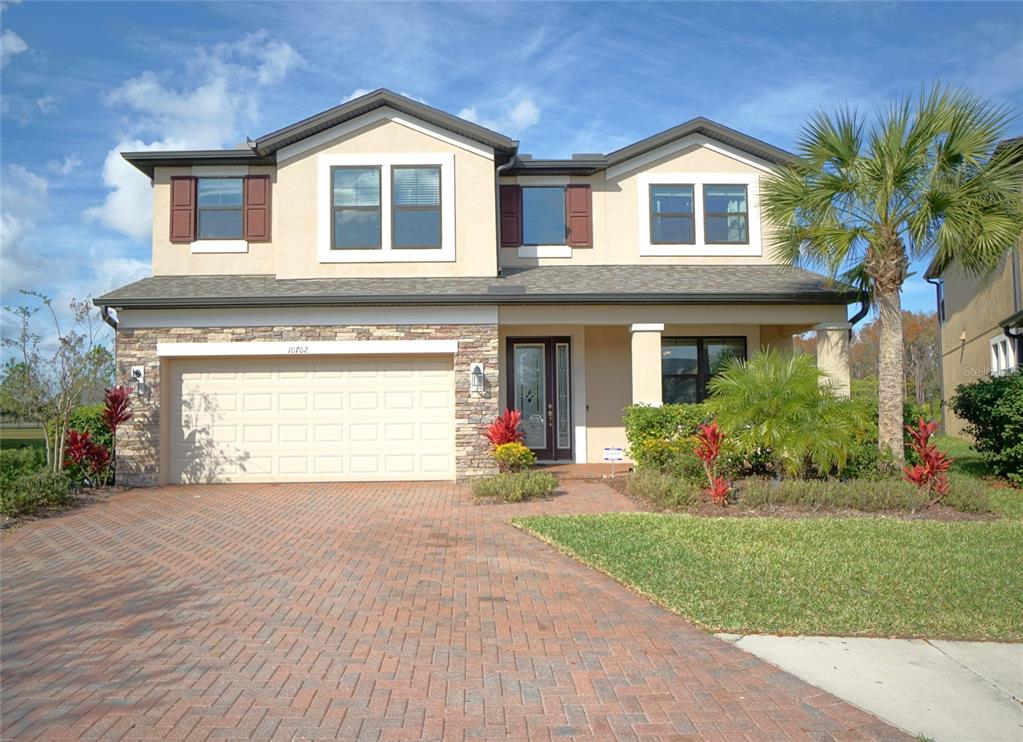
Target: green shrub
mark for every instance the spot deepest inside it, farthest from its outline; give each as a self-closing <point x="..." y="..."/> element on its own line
<point x="672" y="457"/>
<point x="869" y="495"/>
<point x="89" y="419"/>
<point x="20" y="462"/>
<point x="773" y="405"/>
<point x="659" y="437"/>
<point x="515" y="486"/>
<point x="663" y="490"/>
<point x="667" y="422"/>
<point x="994" y="410"/>
<point x="967" y="494"/>
<point x="34" y="492"/>
<point x="513" y="456"/>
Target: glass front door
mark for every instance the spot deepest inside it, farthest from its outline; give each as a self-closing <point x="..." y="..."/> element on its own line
<point x="540" y="388"/>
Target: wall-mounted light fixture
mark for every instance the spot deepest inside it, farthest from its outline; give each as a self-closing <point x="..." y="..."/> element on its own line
<point x="138" y="378"/>
<point x="477" y="379"/>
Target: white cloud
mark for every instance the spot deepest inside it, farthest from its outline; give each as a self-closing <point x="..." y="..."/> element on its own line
<point x="214" y="112"/>
<point x="69" y="164"/>
<point x="514" y="114"/>
<point x="23" y="109"/>
<point x="11" y="45"/>
<point x="23" y="200"/>
<point x="128" y="207"/>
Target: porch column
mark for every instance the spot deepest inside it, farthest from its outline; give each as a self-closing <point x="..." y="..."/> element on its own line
<point x="833" y="354"/>
<point x="646" y="363"/>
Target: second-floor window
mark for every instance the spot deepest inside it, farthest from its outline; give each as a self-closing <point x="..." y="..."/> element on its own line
<point x="220" y="208"/>
<point x="356" y="208"/>
<point x="543" y="215"/>
<point x="725" y="215"/>
<point x="415" y="207"/>
<point x="672" y="215"/>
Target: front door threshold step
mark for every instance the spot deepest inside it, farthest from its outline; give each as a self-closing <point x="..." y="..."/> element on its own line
<point x="944" y="690"/>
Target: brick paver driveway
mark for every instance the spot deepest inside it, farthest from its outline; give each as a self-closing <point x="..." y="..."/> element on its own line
<point x="369" y="611"/>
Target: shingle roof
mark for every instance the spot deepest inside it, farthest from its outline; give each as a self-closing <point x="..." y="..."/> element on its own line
<point x="594" y="284"/>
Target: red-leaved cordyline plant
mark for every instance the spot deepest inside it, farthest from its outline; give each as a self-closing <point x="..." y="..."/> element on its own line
<point x="708" y="448"/>
<point x="117" y="407"/>
<point x="116" y="411"/>
<point x="90" y="457"/>
<point x="931" y="472"/>
<point x="505" y="429"/>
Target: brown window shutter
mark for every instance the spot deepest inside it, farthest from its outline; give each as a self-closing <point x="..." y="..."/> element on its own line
<point x="257" y="208"/>
<point x="511" y="216"/>
<point x="579" y="215"/>
<point x="182" y="216"/>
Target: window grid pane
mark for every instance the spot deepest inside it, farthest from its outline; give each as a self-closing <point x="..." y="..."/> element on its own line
<point x="355" y="195"/>
<point x="416" y="207"/>
<point x="725" y="211"/>
<point x="219" y="213"/>
<point x="543" y="216"/>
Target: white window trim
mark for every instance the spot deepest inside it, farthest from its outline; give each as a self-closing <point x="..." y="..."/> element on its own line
<point x="218" y="246"/>
<point x="386" y="253"/>
<point x="700" y="248"/>
<point x="1003" y="355"/>
<point x="220" y="171"/>
<point x="545" y="251"/>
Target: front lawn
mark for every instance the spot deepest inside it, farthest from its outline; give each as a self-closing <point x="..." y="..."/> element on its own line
<point x="1006" y="501"/>
<point x="848" y="577"/>
<point x="22" y="438"/>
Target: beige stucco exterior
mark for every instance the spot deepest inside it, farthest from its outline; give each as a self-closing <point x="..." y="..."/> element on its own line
<point x="295" y="221"/>
<point x="974" y="305"/>
<point x="616" y="352"/>
<point x="616" y="208"/>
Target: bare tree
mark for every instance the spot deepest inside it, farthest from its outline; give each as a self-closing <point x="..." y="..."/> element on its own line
<point x="53" y="374"/>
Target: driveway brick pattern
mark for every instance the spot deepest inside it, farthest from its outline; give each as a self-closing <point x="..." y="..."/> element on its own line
<point x="360" y="611"/>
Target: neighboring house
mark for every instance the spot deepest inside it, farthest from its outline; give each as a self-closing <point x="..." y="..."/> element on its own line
<point x="981" y="330"/>
<point x="356" y="296"/>
<point x="981" y="320"/>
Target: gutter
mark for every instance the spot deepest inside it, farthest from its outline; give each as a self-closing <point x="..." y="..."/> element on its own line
<point x="462" y="299"/>
<point x="104" y="313"/>
<point x="497" y="207"/>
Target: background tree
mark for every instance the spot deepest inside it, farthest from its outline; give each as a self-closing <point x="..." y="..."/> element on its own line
<point x="925" y="178"/>
<point x="52" y="376"/>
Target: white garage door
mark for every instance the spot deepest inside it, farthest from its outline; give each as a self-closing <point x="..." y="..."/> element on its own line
<point x="354" y="418"/>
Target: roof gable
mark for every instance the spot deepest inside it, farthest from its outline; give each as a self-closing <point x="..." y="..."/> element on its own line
<point x="365" y="104"/>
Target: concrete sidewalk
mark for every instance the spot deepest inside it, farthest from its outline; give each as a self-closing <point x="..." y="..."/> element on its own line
<point x="940" y="689"/>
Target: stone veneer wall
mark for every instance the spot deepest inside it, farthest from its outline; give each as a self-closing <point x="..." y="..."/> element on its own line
<point x="138" y="442"/>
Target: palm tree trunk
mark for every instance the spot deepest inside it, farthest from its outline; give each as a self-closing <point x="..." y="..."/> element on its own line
<point x="890" y="375"/>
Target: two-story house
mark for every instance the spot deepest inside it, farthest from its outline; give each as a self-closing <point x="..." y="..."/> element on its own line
<point x="356" y="296"/>
<point x="980" y="322"/>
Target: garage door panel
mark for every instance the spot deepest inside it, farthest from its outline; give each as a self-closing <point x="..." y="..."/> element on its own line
<point x="279" y="419"/>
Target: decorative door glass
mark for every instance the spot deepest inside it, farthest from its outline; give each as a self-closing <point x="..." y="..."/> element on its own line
<point x="531" y="392"/>
<point x="561" y="375"/>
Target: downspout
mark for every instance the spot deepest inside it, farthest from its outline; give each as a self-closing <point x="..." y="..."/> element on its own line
<point x="940" y="301"/>
<point x="104" y="313"/>
<point x="497" y="206"/>
<point x="864" y="308"/>
<point x="1017" y="301"/>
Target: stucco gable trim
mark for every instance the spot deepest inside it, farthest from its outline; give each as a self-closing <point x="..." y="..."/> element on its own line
<point x="348" y="128"/>
<point x="677" y="146"/>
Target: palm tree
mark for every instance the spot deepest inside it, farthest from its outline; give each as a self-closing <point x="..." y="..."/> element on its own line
<point x="924" y="179"/>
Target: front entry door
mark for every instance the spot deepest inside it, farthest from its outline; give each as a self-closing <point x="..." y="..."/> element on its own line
<point x="540" y="376"/>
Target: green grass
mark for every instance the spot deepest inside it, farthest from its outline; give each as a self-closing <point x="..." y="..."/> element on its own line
<point x="1006" y="502"/>
<point x="842" y="576"/>
<point x="21" y="437"/>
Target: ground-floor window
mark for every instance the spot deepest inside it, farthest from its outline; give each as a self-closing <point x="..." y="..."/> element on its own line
<point x="1003" y="355"/>
<point x="687" y="364"/>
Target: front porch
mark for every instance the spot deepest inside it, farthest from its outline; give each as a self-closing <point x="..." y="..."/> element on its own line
<point x="620" y="355"/>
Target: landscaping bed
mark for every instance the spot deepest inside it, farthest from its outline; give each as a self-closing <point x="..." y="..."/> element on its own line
<point x="824" y="576"/>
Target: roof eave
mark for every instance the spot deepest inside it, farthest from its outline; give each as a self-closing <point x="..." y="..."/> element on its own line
<point x="836" y="297"/>
<point x="147" y="162"/>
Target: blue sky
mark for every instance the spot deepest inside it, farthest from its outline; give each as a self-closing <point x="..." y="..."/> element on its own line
<point x="82" y="80"/>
